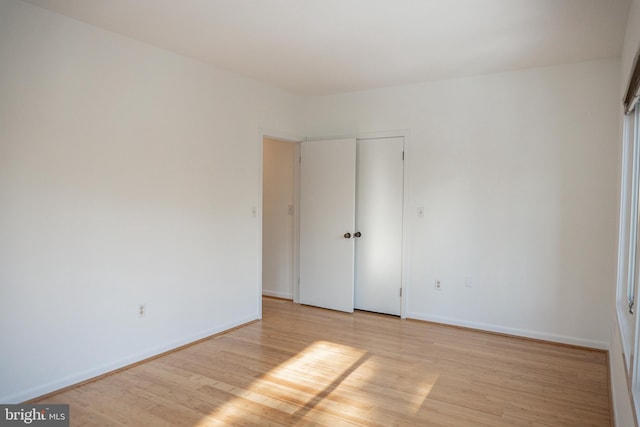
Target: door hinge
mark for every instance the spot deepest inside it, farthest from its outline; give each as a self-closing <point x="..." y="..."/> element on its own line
<point x="400" y="291"/>
<point x="403" y="155"/>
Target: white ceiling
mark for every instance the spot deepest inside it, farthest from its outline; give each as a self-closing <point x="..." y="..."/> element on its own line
<point x="314" y="47"/>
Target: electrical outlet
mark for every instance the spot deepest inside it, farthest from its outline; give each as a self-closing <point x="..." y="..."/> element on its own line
<point x="438" y="285"/>
<point x="142" y="310"/>
<point x="254" y="211"/>
<point x="421" y="212"/>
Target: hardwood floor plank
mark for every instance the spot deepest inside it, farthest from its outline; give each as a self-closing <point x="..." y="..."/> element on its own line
<point x="304" y="366"/>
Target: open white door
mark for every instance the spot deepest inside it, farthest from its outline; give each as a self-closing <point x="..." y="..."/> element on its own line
<point x="327" y="221"/>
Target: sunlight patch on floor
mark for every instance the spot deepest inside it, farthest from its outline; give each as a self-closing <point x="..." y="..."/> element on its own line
<point x="321" y="376"/>
<point x="425" y="388"/>
<point x="324" y="365"/>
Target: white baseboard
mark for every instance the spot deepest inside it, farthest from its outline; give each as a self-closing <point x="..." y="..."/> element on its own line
<point x="118" y="364"/>
<point x="512" y="331"/>
<point x="277" y="294"/>
<point x="109" y="367"/>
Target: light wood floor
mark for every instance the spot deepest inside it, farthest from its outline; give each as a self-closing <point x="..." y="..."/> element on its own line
<point x="309" y="366"/>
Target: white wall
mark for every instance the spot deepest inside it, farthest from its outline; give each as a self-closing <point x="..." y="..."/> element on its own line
<point x="127" y="176"/>
<point x="517" y="175"/>
<point x="277" y="223"/>
<point x="621" y="398"/>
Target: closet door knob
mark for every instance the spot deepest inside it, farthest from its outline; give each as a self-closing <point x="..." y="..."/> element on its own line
<point x="347" y="235"/>
<point x="358" y="234"/>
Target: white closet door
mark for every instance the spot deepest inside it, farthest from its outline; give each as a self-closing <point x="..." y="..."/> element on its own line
<point x="378" y="276"/>
<point x="327" y="214"/>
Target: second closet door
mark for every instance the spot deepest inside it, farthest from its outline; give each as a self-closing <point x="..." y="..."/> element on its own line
<point x="379" y="210"/>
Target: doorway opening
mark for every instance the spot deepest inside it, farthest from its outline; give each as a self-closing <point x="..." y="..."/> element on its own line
<point x="284" y="169"/>
<point x="280" y="169"/>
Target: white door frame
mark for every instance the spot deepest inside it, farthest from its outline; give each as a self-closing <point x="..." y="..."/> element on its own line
<point x="283" y="136"/>
<point x="406" y="211"/>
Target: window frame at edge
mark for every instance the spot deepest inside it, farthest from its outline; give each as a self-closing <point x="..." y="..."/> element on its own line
<point x="628" y="245"/>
